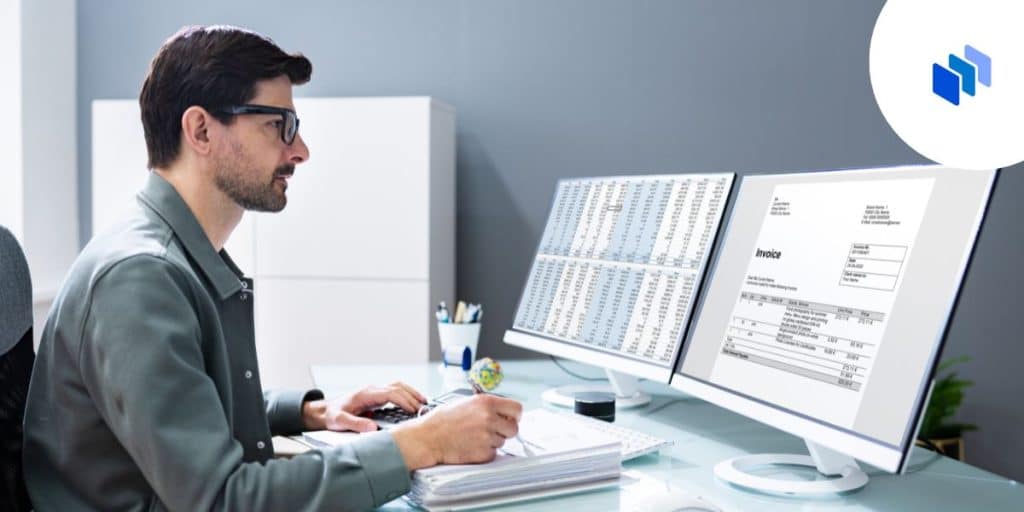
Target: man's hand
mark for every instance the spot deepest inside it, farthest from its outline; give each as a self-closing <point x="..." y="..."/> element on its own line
<point x="466" y="432"/>
<point x="344" y="414"/>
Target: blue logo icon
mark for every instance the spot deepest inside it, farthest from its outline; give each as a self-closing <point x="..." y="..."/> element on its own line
<point x="962" y="75"/>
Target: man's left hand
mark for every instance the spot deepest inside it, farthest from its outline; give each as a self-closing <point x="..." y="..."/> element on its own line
<point x="344" y="414"/>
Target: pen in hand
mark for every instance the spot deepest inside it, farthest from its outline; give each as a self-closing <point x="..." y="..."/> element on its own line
<point x="479" y="390"/>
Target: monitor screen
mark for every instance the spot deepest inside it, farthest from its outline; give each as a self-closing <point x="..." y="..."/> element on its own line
<point x="617" y="267"/>
<point x="829" y="300"/>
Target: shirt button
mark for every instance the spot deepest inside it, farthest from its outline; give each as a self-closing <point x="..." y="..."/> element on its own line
<point x="261" y="445"/>
<point x="248" y="374"/>
<point x="243" y="296"/>
<point x="245" y="285"/>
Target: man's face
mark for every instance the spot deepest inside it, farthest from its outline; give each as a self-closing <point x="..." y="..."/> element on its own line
<point x="253" y="164"/>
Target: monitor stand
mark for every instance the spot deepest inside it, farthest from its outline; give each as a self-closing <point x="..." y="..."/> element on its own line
<point x="828" y="462"/>
<point x="626" y="389"/>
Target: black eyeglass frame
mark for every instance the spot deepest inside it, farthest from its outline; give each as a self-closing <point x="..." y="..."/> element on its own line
<point x="288" y="118"/>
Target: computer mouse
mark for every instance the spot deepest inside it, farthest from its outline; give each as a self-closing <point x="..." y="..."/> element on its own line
<point x="694" y="504"/>
<point x="674" y="501"/>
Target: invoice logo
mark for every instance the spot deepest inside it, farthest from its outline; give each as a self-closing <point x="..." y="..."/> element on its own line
<point x="962" y="75"/>
<point x="908" y="55"/>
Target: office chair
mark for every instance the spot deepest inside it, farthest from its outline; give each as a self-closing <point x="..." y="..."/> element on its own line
<point x="16" y="358"/>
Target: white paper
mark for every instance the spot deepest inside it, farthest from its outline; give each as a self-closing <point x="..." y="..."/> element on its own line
<point x="563" y="456"/>
<point x="818" y="291"/>
<point x="329" y="437"/>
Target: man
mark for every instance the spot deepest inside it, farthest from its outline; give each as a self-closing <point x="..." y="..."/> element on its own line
<point x="145" y="394"/>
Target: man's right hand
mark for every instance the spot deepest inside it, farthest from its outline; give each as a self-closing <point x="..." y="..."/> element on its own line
<point x="466" y="432"/>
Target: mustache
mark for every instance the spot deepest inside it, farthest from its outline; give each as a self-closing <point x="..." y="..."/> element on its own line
<point x="284" y="171"/>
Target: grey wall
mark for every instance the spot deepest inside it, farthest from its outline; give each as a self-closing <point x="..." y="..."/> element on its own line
<point x="550" y="89"/>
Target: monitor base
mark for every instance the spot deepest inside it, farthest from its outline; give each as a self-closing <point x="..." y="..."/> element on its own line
<point x="625" y="387"/>
<point x="828" y="462"/>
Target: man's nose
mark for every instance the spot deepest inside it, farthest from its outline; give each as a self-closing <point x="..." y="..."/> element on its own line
<point x="299" y="152"/>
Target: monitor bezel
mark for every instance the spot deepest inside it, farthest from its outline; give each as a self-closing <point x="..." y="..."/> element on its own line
<point x="891" y="458"/>
<point x="607" y="359"/>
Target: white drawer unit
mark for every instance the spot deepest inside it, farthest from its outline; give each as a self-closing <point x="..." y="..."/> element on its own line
<point x="350" y="270"/>
<point x="310" y="321"/>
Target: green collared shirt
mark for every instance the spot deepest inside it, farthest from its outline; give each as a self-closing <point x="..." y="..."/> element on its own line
<point x="146" y="394"/>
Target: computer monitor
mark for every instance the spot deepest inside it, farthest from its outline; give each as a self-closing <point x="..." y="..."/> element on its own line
<point x="827" y="308"/>
<point x="615" y="273"/>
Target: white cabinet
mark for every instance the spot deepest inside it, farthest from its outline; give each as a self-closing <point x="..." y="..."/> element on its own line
<point x="352" y="267"/>
<point x="350" y="271"/>
<point x="118" y="160"/>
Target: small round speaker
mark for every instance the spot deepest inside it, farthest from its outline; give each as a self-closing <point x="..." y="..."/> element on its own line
<point x="595" y="404"/>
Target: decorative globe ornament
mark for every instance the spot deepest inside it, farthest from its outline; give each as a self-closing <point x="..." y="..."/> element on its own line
<point x="487" y="373"/>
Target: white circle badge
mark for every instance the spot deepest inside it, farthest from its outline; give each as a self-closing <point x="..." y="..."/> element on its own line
<point x="949" y="78"/>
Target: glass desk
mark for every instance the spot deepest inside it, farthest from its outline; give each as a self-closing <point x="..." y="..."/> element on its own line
<point x="704" y="435"/>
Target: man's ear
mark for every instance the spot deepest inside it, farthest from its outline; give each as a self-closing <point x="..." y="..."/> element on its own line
<point x="196" y="124"/>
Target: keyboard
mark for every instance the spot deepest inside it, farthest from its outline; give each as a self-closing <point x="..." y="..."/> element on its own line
<point x="634" y="442"/>
<point x="390" y="416"/>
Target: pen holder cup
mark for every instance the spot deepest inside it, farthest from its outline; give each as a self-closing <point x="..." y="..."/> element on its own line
<point x="459" y="334"/>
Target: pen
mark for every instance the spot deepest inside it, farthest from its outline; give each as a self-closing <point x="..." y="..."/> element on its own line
<point x="442" y="313"/>
<point x="479" y="390"/>
<point x="471" y="313"/>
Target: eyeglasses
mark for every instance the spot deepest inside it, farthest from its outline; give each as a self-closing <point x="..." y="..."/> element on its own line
<point x="289" y="121"/>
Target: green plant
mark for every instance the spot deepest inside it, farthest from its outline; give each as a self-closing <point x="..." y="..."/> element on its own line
<point x="946" y="398"/>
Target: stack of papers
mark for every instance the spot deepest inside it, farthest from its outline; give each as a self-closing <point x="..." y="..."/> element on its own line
<point x="563" y="460"/>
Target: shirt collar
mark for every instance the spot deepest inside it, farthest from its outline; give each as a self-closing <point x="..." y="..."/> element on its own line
<point x="162" y="198"/>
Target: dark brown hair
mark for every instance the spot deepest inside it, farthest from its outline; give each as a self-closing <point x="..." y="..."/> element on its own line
<point x="212" y="67"/>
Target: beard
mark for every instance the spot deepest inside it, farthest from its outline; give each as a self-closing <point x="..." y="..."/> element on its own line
<point x="248" y="190"/>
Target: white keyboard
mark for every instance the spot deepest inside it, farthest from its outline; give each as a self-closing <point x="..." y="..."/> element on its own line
<point x="634" y="442"/>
